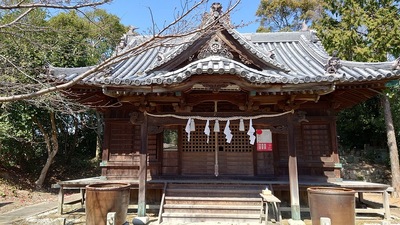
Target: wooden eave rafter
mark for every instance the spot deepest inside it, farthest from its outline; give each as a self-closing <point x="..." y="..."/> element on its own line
<point x="270" y="88"/>
<point x="236" y="98"/>
<point x="246" y="96"/>
<point x="151" y="98"/>
<point x="374" y="85"/>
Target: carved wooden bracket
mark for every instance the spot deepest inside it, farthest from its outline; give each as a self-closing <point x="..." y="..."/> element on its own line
<point x="136" y="118"/>
<point x="301" y="116"/>
<point x="278" y="129"/>
<point x="154" y="129"/>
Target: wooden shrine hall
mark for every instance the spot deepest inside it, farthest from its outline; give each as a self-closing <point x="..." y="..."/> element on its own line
<point x="199" y="116"/>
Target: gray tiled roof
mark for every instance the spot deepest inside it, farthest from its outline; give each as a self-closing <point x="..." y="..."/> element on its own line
<point x="298" y="58"/>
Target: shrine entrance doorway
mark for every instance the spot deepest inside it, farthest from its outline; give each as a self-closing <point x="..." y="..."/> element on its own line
<point x="216" y="157"/>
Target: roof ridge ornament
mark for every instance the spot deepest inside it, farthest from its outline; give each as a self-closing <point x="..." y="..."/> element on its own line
<point x="333" y="64"/>
<point x="216" y="9"/>
<point x="396" y="64"/>
<point x="215" y="14"/>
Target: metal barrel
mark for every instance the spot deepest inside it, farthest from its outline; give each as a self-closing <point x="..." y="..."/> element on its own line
<point x="338" y="204"/>
<point x="104" y="198"/>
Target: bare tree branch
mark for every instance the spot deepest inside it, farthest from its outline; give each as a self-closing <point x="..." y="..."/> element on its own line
<point x="156" y="40"/>
<point x="18" y="18"/>
<point x="56" y="5"/>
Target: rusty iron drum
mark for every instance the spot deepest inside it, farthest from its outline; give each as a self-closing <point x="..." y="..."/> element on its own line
<point x="338" y="204"/>
<point x="104" y="198"/>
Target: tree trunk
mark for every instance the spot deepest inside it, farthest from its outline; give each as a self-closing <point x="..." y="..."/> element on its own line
<point x="52" y="148"/>
<point x="392" y="144"/>
<point x="45" y="169"/>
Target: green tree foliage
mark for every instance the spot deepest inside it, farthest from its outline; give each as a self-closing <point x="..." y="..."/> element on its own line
<point x="360" y="30"/>
<point x="362" y="124"/>
<point x="22" y="46"/>
<point x="67" y="39"/>
<point x="81" y="42"/>
<point x="287" y="15"/>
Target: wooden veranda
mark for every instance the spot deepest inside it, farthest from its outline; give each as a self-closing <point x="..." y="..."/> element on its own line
<point x="219" y="191"/>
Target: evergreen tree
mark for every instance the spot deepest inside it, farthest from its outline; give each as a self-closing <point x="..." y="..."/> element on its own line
<point x="287" y="15"/>
<point x="364" y="30"/>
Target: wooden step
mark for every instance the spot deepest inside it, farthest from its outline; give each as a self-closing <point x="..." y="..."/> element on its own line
<point x="218" y="186"/>
<point x="230" y="207"/>
<point x="222" y="202"/>
<point x="215" y="193"/>
<point x="211" y="200"/>
<point x="214" y="209"/>
<point x="210" y="217"/>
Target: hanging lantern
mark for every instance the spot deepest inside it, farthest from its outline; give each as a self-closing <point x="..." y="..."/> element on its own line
<point x="241" y="125"/>
<point x="216" y="126"/>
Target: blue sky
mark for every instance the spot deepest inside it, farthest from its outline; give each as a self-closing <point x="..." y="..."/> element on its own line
<point x="136" y="12"/>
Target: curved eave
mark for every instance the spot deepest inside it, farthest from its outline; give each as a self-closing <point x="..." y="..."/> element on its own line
<point x="359" y="71"/>
<point x="214" y="65"/>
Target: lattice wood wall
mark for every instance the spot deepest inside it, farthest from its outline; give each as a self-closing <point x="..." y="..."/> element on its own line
<point x="198" y="140"/>
<point x="198" y="156"/>
<point x="316" y="142"/>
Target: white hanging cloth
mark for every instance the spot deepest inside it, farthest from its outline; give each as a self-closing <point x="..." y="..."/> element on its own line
<point x="227" y="132"/>
<point x="241" y="125"/>
<point x="188" y="128"/>
<point x="216" y="126"/>
<point x="251" y="131"/>
<point x="207" y="130"/>
<point x="192" y="125"/>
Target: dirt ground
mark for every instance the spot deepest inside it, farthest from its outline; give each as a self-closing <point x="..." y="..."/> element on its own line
<point x="76" y="215"/>
<point x="12" y="197"/>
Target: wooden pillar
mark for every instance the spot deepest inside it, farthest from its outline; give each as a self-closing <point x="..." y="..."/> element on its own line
<point x="106" y="147"/>
<point x="143" y="170"/>
<point x="293" y="177"/>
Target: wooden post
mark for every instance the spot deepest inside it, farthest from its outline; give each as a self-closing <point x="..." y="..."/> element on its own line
<point x="143" y="170"/>
<point x="293" y="177"/>
<point x="60" y="200"/>
<point x="216" y="166"/>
